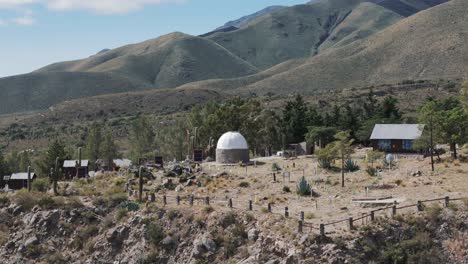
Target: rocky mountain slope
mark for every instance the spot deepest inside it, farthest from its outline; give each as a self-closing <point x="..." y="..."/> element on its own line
<point x="319" y="40"/>
<point x="238" y="23"/>
<point x="430" y="44"/>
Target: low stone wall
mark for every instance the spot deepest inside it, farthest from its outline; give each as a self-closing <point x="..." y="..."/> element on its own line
<point x="232" y="156"/>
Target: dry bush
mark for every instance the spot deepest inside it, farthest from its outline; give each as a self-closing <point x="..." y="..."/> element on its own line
<point x="26" y="199"/>
<point x="457" y="246"/>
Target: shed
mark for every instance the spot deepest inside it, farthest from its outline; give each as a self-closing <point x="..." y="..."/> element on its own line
<point x="70" y="168"/>
<point x="18" y="180"/>
<point x="232" y="148"/>
<point x="395" y="138"/>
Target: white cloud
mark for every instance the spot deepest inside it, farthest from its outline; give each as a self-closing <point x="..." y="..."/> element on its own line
<point x="107" y="7"/>
<point x="26" y="20"/>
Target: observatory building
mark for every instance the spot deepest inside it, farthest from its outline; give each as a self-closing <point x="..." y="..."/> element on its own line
<point x="232" y="148"/>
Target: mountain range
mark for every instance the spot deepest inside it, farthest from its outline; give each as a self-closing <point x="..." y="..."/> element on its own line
<point x="319" y="46"/>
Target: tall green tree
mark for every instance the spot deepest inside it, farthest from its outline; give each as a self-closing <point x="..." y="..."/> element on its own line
<point x="93" y="144"/>
<point x="142" y="139"/>
<point x="343" y="149"/>
<point x="172" y="140"/>
<point x="371" y="105"/>
<point x="294" y="120"/>
<point x="54" y="154"/>
<point x="109" y="150"/>
<point x="3" y="168"/>
<point x="450" y="122"/>
<point x="321" y="135"/>
<point x="389" y="108"/>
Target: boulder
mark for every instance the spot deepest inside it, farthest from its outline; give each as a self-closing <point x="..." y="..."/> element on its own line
<point x="252" y="235"/>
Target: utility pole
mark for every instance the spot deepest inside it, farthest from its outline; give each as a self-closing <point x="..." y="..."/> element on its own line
<point x="432" y="146"/>
<point x="29" y="178"/>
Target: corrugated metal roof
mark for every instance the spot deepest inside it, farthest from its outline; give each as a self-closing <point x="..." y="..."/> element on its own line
<point x="72" y="163"/>
<point x="397" y="131"/>
<point x="21" y="176"/>
<point x="123" y="163"/>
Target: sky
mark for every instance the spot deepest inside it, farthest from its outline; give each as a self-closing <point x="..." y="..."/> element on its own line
<point x="35" y="33"/>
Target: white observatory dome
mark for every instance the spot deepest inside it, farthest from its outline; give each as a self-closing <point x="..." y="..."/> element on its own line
<point x="232" y="140"/>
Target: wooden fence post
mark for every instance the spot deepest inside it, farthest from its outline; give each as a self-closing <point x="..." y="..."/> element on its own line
<point x="207" y="200"/>
<point x="152" y="197"/>
<point x="447" y="201"/>
<point x="351" y="226"/>
<point x="164" y="199"/>
<point x="269" y="207"/>
<point x="250" y="205"/>
<point x="230" y="203"/>
<point x="286" y="212"/>
<point x="322" y="229"/>
<point x="420" y="206"/>
<point x="178" y="199"/>
<point x="394" y="210"/>
<point x="372" y="215"/>
<point x="302" y="216"/>
<point x="299" y="229"/>
<point x="274" y="177"/>
<point x="191" y="200"/>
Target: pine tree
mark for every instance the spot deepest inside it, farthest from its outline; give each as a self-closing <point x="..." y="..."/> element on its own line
<point x="294" y="120"/>
<point x="93" y="145"/>
<point x="142" y="139"/>
<point x="109" y="149"/>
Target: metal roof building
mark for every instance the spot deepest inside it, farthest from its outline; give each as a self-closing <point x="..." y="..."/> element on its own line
<point x="397" y="131"/>
<point x="72" y="163"/>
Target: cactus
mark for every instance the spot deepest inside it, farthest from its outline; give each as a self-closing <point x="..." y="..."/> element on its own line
<point x="324" y="164"/>
<point x="303" y="188"/>
<point x="351" y="165"/>
<point x="371" y="171"/>
<point x="140" y="189"/>
<point x="275" y="167"/>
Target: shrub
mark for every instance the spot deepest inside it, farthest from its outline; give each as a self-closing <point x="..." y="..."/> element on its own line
<point x="40" y="185"/>
<point x="286" y="189"/>
<point x="244" y="185"/>
<point x="351" y="166"/>
<point x="303" y="188"/>
<point x="47" y="203"/>
<point x="239" y="231"/>
<point x="324" y="164"/>
<point x="155" y="233"/>
<point x="3" y="237"/>
<point x="208" y="209"/>
<point x="121" y="214"/>
<point x="309" y="216"/>
<point x="275" y="167"/>
<point x="130" y="206"/>
<point x="228" y="220"/>
<point x="25" y="199"/>
<point x="55" y="258"/>
<point x="84" y="235"/>
<point x="398" y="182"/>
<point x="4" y="201"/>
<point x="172" y="214"/>
<point x="371" y="171"/>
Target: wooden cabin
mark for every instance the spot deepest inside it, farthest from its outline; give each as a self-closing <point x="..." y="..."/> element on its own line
<point x="19" y="180"/>
<point x="395" y="138"/>
<point x="70" y="168"/>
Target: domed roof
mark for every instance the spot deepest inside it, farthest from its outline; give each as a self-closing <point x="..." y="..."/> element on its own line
<point x="232" y="140"/>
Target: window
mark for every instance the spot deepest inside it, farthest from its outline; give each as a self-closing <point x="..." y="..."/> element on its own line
<point x="407" y="145"/>
<point x="385" y="144"/>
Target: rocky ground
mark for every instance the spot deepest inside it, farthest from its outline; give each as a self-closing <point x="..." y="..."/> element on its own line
<point x="100" y="220"/>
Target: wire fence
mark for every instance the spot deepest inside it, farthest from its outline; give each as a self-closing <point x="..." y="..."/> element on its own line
<point x="249" y="206"/>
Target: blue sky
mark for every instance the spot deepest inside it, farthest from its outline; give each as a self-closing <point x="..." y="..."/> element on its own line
<point x="35" y="33"/>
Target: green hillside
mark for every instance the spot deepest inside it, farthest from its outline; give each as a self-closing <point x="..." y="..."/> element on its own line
<point x="429" y="45"/>
<point x="165" y="62"/>
<point x="317" y="46"/>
